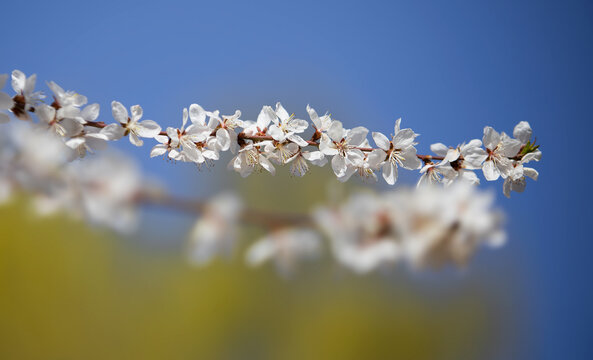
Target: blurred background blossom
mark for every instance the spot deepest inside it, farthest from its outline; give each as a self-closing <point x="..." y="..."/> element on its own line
<point x="70" y="290"/>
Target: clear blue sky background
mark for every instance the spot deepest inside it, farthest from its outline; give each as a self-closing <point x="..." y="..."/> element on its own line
<point x="448" y="68"/>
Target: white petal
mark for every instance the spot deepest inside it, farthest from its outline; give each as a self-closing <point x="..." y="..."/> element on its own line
<point x="266" y="164"/>
<point x="522" y="132"/>
<point x="315" y="157"/>
<point x="148" y="129"/>
<point x="312" y="114"/>
<point x="439" y="148"/>
<point x="376" y="158"/>
<point x="18" y="81"/>
<point x="350" y="170"/>
<point x="404" y="138"/>
<point x="411" y="161"/>
<point x="135" y="140"/>
<point x="510" y="147"/>
<point x="506" y="187"/>
<point x="532" y="173"/>
<point x="297" y="125"/>
<point x="357" y="135"/>
<point x="197" y="114"/>
<point x="452" y="155"/>
<point x="75" y="142"/>
<point x="120" y="113"/>
<point x="532" y="156"/>
<point x="136" y="113"/>
<point x="266" y="115"/>
<point x="223" y="139"/>
<point x="381" y="140"/>
<point x="275" y="132"/>
<point x="389" y="173"/>
<point x="45" y="113"/>
<point x="490" y="171"/>
<point x="326" y="146"/>
<point x="469" y="176"/>
<point x="281" y="112"/>
<point x="336" y="131"/>
<point x="4" y="118"/>
<point x="158" y="150"/>
<point x="113" y="131"/>
<point x="90" y="112"/>
<point x="491" y="138"/>
<point x="297" y="139"/>
<point x="339" y="165"/>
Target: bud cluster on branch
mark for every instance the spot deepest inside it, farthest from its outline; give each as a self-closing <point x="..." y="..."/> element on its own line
<point x="277" y="138"/>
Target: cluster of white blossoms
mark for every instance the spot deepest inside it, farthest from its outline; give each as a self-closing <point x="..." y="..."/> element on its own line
<point x="430" y="226"/>
<point x="426" y="227"/>
<point x="276" y="138"/>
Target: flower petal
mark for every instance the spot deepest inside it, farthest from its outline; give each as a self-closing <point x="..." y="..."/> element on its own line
<point x="490" y="171"/>
<point x="491" y="138"/>
<point x="389" y="173"/>
<point x="381" y="140"/>
<point x="339" y="165"/>
<point x="522" y="132"/>
<point x="197" y="114"/>
<point x="148" y="129"/>
<point x="120" y="113"/>
<point x="439" y="148"/>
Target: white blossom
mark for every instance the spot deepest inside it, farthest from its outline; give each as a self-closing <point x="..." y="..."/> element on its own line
<point x="132" y="126"/>
<point x="215" y="232"/>
<point x="341" y="144"/>
<point x="500" y="147"/>
<point x="286" y="248"/>
<point x="26" y="98"/>
<point x="400" y="151"/>
<point x="286" y="127"/>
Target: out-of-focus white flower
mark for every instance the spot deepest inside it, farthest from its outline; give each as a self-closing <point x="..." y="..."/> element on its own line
<point x="400" y="151"/>
<point x="341" y="143"/>
<point x="132" y="126"/>
<point x="6" y="102"/>
<point x="359" y="233"/>
<point x="440" y="226"/>
<point x="215" y="232"/>
<point x="500" y="147"/>
<point x="286" y="248"/>
<point x="108" y="187"/>
<point x="431" y="226"/>
<point x="26" y="98"/>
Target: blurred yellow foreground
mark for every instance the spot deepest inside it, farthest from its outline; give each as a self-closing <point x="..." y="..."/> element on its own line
<point x="70" y="292"/>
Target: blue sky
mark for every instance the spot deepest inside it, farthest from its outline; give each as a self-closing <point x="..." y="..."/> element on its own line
<point x="447" y="68"/>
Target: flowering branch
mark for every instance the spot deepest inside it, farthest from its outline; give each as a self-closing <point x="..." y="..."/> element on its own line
<point x="429" y="226"/>
<point x="275" y="138"/>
